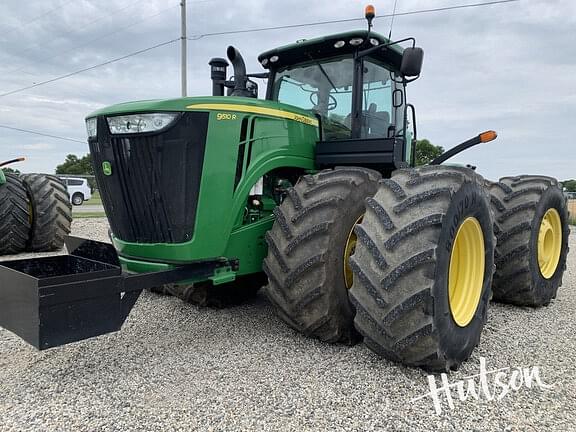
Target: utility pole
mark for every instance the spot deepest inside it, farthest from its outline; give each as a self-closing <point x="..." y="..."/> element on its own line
<point x="183" y="45"/>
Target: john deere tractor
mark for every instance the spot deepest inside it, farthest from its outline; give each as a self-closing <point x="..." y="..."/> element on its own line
<point x="315" y="186"/>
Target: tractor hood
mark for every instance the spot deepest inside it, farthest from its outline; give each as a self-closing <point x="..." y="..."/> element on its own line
<point x="150" y="179"/>
<point x="211" y="103"/>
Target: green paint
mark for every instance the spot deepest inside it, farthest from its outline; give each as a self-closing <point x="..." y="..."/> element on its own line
<point x="107" y="168"/>
<point x="219" y="229"/>
<point x="223" y="275"/>
<point x="134" y="266"/>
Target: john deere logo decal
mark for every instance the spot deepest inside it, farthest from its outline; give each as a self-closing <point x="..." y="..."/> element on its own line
<point x="107" y="168"/>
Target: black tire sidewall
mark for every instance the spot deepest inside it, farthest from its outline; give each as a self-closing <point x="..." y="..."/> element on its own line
<point x="457" y="342"/>
<point x="545" y="289"/>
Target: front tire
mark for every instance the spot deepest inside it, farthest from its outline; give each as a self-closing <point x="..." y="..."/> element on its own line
<point x="531" y="225"/>
<point x="307" y="247"/>
<point x="423" y="267"/>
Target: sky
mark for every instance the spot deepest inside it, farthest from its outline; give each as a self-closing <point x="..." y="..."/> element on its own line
<point x="508" y="67"/>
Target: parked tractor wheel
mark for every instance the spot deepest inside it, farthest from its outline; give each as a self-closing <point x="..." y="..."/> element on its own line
<point x="531" y="225"/>
<point x="205" y="294"/>
<point x="308" y="249"/>
<point x="423" y="267"/>
<point x="15" y="218"/>
<point x="51" y="212"/>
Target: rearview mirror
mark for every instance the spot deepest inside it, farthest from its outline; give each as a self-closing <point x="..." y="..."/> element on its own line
<point x="412" y="62"/>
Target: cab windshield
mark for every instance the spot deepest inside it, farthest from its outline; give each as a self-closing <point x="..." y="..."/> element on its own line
<point x="325" y="87"/>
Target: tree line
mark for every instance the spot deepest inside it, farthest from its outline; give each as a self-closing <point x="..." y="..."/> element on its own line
<point x="425" y="153"/>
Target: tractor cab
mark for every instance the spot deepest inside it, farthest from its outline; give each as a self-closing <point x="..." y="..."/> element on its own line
<point x="355" y="84"/>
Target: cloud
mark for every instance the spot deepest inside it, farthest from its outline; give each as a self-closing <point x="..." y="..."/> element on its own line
<point x="505" y="67"/>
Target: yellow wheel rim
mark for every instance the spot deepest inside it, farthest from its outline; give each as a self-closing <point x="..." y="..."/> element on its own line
<point x="466" y="273"/>
<point x="549" y="243"/>
<point x="349" y="249"/>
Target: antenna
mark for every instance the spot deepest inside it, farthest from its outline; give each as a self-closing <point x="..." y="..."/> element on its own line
<point x="392" y="21"/>
<point x="183" y="49"/>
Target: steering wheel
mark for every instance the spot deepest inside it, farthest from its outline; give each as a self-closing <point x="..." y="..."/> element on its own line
<point x="332" y="102"/>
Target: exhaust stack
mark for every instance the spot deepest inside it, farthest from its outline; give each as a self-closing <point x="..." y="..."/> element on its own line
<point x="240" y="78"/>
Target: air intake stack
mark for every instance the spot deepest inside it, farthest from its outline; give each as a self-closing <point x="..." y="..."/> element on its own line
<point x="218" y="68"/>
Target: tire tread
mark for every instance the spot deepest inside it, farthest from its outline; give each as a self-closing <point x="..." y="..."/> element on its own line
<point x="14" y="216"/>
<point x="51" y="212"/>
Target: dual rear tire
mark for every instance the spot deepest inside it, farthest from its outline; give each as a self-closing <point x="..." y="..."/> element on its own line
<point x="531" y="225"/>
<point x="423" y="258"/>
<point x="35" y="214"/>
<point x="51" y="212"/>
<point x="401" y="301"/>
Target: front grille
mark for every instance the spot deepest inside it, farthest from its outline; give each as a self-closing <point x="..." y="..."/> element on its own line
<point x="152" y="192"/>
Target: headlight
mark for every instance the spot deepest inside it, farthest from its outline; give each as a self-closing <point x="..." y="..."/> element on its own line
<point x="139" y="123"/>
<point x="91" y="127"/>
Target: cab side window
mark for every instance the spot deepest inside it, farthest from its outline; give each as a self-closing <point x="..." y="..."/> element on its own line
<point x="377" y="111"/>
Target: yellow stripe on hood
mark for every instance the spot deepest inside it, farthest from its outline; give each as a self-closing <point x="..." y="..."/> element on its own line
<point x="256" y="110"/>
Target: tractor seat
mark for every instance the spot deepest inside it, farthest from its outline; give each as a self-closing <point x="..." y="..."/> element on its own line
<point x="375" y="123"/>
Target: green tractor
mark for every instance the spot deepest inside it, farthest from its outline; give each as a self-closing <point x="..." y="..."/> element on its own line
<point x="35" y="212"/>
<point x="316" y="187"/>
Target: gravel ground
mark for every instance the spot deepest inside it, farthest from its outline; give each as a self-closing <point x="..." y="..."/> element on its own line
<point x="177" y="367"/>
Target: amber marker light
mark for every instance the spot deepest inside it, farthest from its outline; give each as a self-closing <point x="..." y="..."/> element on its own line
<point x="369" y="12"/>
<point x="488" y="136"/>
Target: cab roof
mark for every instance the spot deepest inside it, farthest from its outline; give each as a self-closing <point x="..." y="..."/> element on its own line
<point x="323" y="47"/>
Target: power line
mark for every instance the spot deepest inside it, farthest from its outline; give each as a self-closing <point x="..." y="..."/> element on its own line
<point x="61" y="77"/>
<point x="249" y="31"/>
<point x="88" y="42"/>
<point x="317" y="23"/>
<point x="42" y="134"/>
<point x="39" y="17"/>
<point x="103" y="17"/>
<point x="88" y="24"/>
